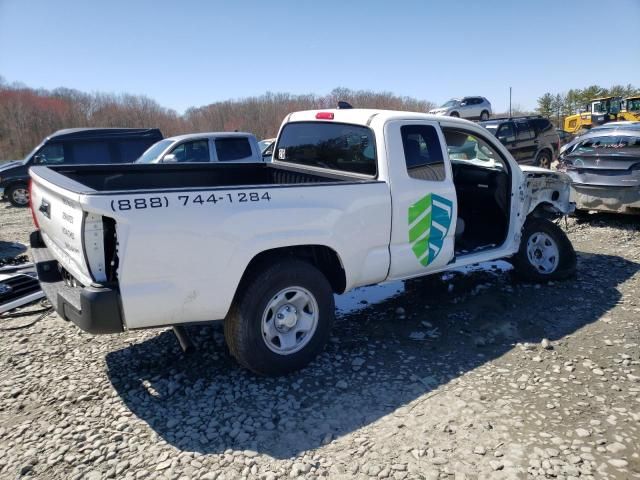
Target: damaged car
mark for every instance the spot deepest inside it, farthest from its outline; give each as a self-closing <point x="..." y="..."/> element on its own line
<point x="604" y="167"/>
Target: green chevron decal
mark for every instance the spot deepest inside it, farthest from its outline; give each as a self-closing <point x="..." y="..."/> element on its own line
<point x="429" y="222"/>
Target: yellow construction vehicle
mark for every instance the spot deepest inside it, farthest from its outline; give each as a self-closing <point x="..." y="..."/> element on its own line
<point x="630" y="109"/>
<point x="599" y="111"/>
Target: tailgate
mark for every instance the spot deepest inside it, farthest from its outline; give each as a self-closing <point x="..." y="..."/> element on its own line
<point x="61" y="220"/>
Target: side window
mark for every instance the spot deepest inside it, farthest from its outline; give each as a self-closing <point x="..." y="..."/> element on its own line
<point x="130" y="150"/>
<point x="423" y="152"/>
<point x="506" y="131"/>
<point x="541" y="124"/>
<point x="464" y="147"/>
<point x="195" y="151"/>
<point x="50" y="154"/>
<point x="84" y="153"/>
<point x="523" y="131"/>
<point x="233" y="148"/>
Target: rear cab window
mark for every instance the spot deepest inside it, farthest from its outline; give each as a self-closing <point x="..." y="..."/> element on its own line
<point x="336" y="146"/>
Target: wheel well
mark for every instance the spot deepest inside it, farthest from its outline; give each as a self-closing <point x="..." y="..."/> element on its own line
<point x="322" y="257"/>
<point x="545" y="210"/>
<point x="16" y="184"/>
<point x="546" y="150"/>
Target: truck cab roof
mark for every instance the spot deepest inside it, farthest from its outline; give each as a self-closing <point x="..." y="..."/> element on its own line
<point x="364" y="116"/>
<point x="103" y="133"/>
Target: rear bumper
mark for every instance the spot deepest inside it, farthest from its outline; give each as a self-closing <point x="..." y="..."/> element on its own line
<point x="607" y="199"/>
<point x="93" y="309"/>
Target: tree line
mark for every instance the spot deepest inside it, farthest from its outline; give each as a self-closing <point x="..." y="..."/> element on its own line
<point x="560" y="105"/>
<point x="28" y="115"/>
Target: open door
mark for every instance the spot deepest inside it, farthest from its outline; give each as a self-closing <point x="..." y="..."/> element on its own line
<point x="424" y="198"/>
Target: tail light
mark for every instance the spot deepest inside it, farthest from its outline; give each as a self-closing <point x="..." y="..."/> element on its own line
<point x="33" y="212"/>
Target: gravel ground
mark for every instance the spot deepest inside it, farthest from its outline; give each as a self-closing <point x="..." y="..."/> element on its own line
<point x="461" y="376"/>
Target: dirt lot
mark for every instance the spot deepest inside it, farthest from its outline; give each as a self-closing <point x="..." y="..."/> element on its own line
<point x="462" y="376"/>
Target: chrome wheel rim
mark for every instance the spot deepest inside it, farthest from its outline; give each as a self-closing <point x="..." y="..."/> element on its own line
<point x="20" y="196"/>
<point x="289" y="320"/>
<point x="543" y="253"/>
<point x="545" y="162"/>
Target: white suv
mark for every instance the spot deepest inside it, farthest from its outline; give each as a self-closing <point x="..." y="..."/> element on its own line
<point x="467" y="107"/>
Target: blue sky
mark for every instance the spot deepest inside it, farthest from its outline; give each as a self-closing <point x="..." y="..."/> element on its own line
<point x="190" y="53"/>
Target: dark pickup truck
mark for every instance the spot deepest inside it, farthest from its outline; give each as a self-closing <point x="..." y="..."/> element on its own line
<point x="79" y="146"/>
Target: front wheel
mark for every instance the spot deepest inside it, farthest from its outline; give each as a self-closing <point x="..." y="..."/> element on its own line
<point x="454" y="114"/>
<point x="545" y="252"/>
<point x="281" y="319"/>
<point x="543" y="160"/>
<point x="18" y="195"/>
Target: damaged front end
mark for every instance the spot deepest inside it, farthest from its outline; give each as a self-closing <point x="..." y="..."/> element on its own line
<point x="545" y="192"/>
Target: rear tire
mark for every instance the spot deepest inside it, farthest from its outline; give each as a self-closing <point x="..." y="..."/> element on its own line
<point x="18" y="195"/>
<point x="484" y="116"/>
<point x="281" y="319"/>
<point x="543" y="160"/>
<point x="545" y="252"/>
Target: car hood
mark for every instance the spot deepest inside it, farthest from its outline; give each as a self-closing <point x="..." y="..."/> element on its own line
<point x="10" y="164"/>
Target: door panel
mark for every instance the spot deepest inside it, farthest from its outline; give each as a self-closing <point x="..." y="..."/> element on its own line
<point x="424" y="201"/>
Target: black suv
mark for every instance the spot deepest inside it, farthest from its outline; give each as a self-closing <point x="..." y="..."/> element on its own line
<point x="531" y="140"/>
<point x="77" y="146"/>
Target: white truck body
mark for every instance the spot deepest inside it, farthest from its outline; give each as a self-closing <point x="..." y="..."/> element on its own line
<point x="182" y="250"/>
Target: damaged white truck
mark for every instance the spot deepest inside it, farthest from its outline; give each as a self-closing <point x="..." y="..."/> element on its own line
<point x="353" y="197"/>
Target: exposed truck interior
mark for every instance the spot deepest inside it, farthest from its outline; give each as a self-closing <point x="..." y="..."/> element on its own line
<point x="483" y="186"/>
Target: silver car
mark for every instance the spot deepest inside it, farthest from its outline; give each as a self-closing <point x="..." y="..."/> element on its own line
<point x="604" y="166"/>
<point x="466" y="107"/>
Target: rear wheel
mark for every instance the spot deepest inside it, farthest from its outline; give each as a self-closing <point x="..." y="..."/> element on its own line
<point x="18" y="195"/>
<point x="281" y="319"/>
<point x="545" y="252"/>
<point x="544" y="159"/>
<point x="484" y="115"/>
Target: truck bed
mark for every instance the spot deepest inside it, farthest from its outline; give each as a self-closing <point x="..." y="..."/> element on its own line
<point x="140" y="177"/>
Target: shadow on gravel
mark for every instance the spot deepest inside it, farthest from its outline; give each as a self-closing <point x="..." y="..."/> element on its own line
<point x="606" y="219"/>
<point x="379" y="360"/>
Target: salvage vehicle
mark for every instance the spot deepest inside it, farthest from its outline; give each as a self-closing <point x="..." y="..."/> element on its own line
<point x="204" y="147"/>
<point x="531" y="140"/>
<point x="353" y="197"/>
<point x="604" y="167"/>
<point x="75" y="146"/>
<point x="468" y="107"/>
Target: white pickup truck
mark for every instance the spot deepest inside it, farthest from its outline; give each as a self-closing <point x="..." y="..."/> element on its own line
<point x="353" y="197"/>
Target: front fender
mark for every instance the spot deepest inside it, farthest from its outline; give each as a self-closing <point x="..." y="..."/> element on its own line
<point x="547" y="189"/>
